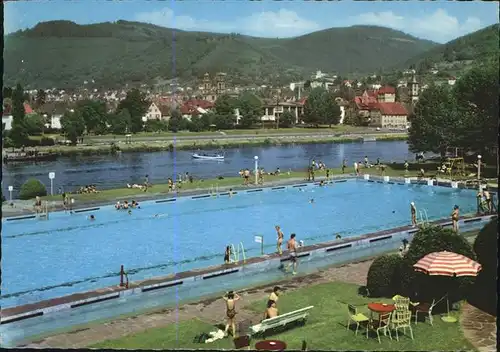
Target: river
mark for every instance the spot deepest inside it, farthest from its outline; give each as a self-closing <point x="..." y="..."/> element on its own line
<point x="108" y="171"/>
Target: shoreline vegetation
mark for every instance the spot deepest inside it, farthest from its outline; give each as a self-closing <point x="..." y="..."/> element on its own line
<point x="195" y="144"/>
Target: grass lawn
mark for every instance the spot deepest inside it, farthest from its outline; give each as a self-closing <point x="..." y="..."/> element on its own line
<point x="259" y="131"/>
<point x="162" y="188"/>
<point x="325" y="328"/>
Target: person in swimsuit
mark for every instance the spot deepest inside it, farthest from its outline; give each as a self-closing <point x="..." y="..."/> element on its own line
<point x="455" y="215"/>
<point x="280" y="239"/>
<point x="292" y="248"/>
<point x="227" y="255"/>
<point x="487" y="199"/>
<point x="274" y="296"/>
<point x="271" y="310"/>
<point x="344" y="165"/>
<point x="413" y="211"/>
<point x="231" y="299"/>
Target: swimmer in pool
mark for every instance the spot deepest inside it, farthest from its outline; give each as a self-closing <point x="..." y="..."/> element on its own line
<point x="338" y="237"/>
<point x="311" y="201"/>
<point x="130" y="212"/>
<point x="230" y="192"/>
<point x="92" y="217"/>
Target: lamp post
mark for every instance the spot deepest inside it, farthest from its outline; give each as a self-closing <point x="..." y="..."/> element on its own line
<point x="479" y="169"/>
<point x="256" y="158"/>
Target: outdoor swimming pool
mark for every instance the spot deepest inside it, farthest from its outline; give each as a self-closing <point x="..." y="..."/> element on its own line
<point x="69" y="253"/>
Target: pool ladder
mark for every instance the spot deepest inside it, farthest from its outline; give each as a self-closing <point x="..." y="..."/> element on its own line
<point x="424" y="219"/>
<point x="214" y="190"/>
<point x="44" y="215"/>
<point x="236" y="253"/>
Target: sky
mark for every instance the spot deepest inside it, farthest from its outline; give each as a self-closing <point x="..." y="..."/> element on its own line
<point x="439" y="21"/>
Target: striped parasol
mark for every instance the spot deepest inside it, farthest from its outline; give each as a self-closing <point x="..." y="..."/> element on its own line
<point x="447" y="264"/>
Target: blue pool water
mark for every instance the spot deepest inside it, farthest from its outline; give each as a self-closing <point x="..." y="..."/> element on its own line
<point x="69" y="253"/>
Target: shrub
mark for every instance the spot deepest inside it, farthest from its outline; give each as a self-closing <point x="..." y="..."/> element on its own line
<point x="423" y="287"/>
<point x="32" y="188"/>
<point x="484" y="293"/>
<point x="384" y="276"/>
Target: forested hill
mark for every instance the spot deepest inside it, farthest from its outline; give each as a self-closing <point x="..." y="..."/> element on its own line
<point x="476" y="46"/>
<point x="62" y="53"/>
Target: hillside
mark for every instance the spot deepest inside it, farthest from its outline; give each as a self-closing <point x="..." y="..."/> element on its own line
<point x="63" y="54"/>
<point x="459" y="53"/>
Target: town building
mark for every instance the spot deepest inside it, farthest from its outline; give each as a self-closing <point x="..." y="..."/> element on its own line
<point x="195" y="107"/>
<point x="153" y="113"/>
<point x="273" y="112"/>
<point x="7" y="117"/>
<point x="209" y="90"/>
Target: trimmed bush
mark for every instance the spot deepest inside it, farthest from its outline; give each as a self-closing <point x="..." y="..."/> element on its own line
<point x="423" y="287"/>
<point x="32" y="188"/>
<point x="383" y="278"/>
<point x="484" y="293"/>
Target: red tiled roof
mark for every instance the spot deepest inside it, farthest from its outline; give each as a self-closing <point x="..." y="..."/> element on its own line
<point x="302" y="101"/>
<point x="204" y="104"/>
<point x="387" y="90"/>
<point x="392" y="109"/>
<point x="365" y="102"/>
<point x="8" y="109"/>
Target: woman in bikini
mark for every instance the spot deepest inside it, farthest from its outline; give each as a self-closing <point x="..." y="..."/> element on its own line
<point x="455" y="215"/>
<point x="413" y="211"/>
<point x="38" y="204"/>
<point x="271" y="310"/>
<point x="231" y="299"/>
<point x="280" y="239"/>
<point x="227" y="255"/>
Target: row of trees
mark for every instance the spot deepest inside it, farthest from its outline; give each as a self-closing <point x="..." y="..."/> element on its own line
<point x="464" y="116"/>
<point x="93" y="117"/>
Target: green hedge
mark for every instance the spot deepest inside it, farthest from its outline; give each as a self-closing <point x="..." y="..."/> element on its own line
<point x="423" y="287"/>
<point x="484" y="293"/>
<point x="32" y="188"/>
<point x="383" y="278"/>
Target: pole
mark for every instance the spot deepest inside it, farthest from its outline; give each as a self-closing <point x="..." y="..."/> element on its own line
<point x="51" y="187"/>
<point x="479" y="168"/>
<point x="261" y="245"/>
<point x="10" y="195"/>
<point x="256" y="171"/>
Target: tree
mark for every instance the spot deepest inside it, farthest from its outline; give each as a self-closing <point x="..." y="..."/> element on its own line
<point x="7" y="92"/>
<point x="41" y="97"/>
<point x="206" y="120"/>
<point x="225" y="105"/>
<point x="287" y="119"/>
<point x="320" y="107"/>
<point x="18" y="133"/>
<point x="34" y="124"/>
<point x="434" y="124"/>
<point x="94" y="114"/>
<point x="175" y="122"/>
<point x="73" y="125"/>
<point x="250" y="110"/>
<point x="477" y="96"/>
<point x="120" y="122"/>
<point x="224" y="121"/>
<point x="137" y="106"/>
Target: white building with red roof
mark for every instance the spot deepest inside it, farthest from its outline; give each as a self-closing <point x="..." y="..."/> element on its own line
<point x="195" y="107"/>
<point x="7" y="115"/>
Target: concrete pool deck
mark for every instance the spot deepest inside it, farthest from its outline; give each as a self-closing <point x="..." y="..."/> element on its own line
<point x="25" y="207"/>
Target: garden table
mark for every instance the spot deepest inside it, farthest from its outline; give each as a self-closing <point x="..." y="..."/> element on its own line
<point x="270" y="345"/>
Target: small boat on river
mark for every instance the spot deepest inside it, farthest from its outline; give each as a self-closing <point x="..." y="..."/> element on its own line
<point x="208" y="157"/>
<point x="29" y="156"/>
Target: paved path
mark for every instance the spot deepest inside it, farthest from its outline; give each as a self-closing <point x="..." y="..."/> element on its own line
<point x="209" y="310"/>
<point x="479" y="328"/>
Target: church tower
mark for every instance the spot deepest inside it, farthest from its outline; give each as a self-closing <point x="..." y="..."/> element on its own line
<point x="414" y="90"/>
<point x="220" y="83"/>
<point x="207" y="85"/>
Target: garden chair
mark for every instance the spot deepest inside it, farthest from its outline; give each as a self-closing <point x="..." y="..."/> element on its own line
<point x="423" y="308"/>
<point x="401" y="320"/>
<point x="354" y="316"/>
<point x="401" y="303"/>
<point x="381" y="324"/>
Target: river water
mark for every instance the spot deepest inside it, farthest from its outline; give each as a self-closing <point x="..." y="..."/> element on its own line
<point x="108" y="171"/>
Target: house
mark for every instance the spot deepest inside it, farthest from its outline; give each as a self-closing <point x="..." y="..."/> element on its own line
<point x="153" y="113"/>
<point x="7" y="117"/>
<point x="452" y="81"/>
<point x="272" y="112"/>
<point x="389" y="115"/>
<point x="195" y="107"/>
<point x="386" y="94"/>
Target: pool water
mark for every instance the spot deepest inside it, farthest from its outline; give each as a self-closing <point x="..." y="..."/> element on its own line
<point x="69" y="253"/>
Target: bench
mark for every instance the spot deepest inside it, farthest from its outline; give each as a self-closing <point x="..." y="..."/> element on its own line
<point x="281" y="320"/>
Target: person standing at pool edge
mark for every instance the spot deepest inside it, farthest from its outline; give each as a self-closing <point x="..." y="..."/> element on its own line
<point x="279" y="239"/>
<point x="292" y="248"/>
<point x="455" y="215"/>
<point x="231" y="299"/>
<point x="413" y="211"/>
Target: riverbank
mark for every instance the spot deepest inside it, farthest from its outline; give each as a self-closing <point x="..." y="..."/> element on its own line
<point x="214" y="143"/>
